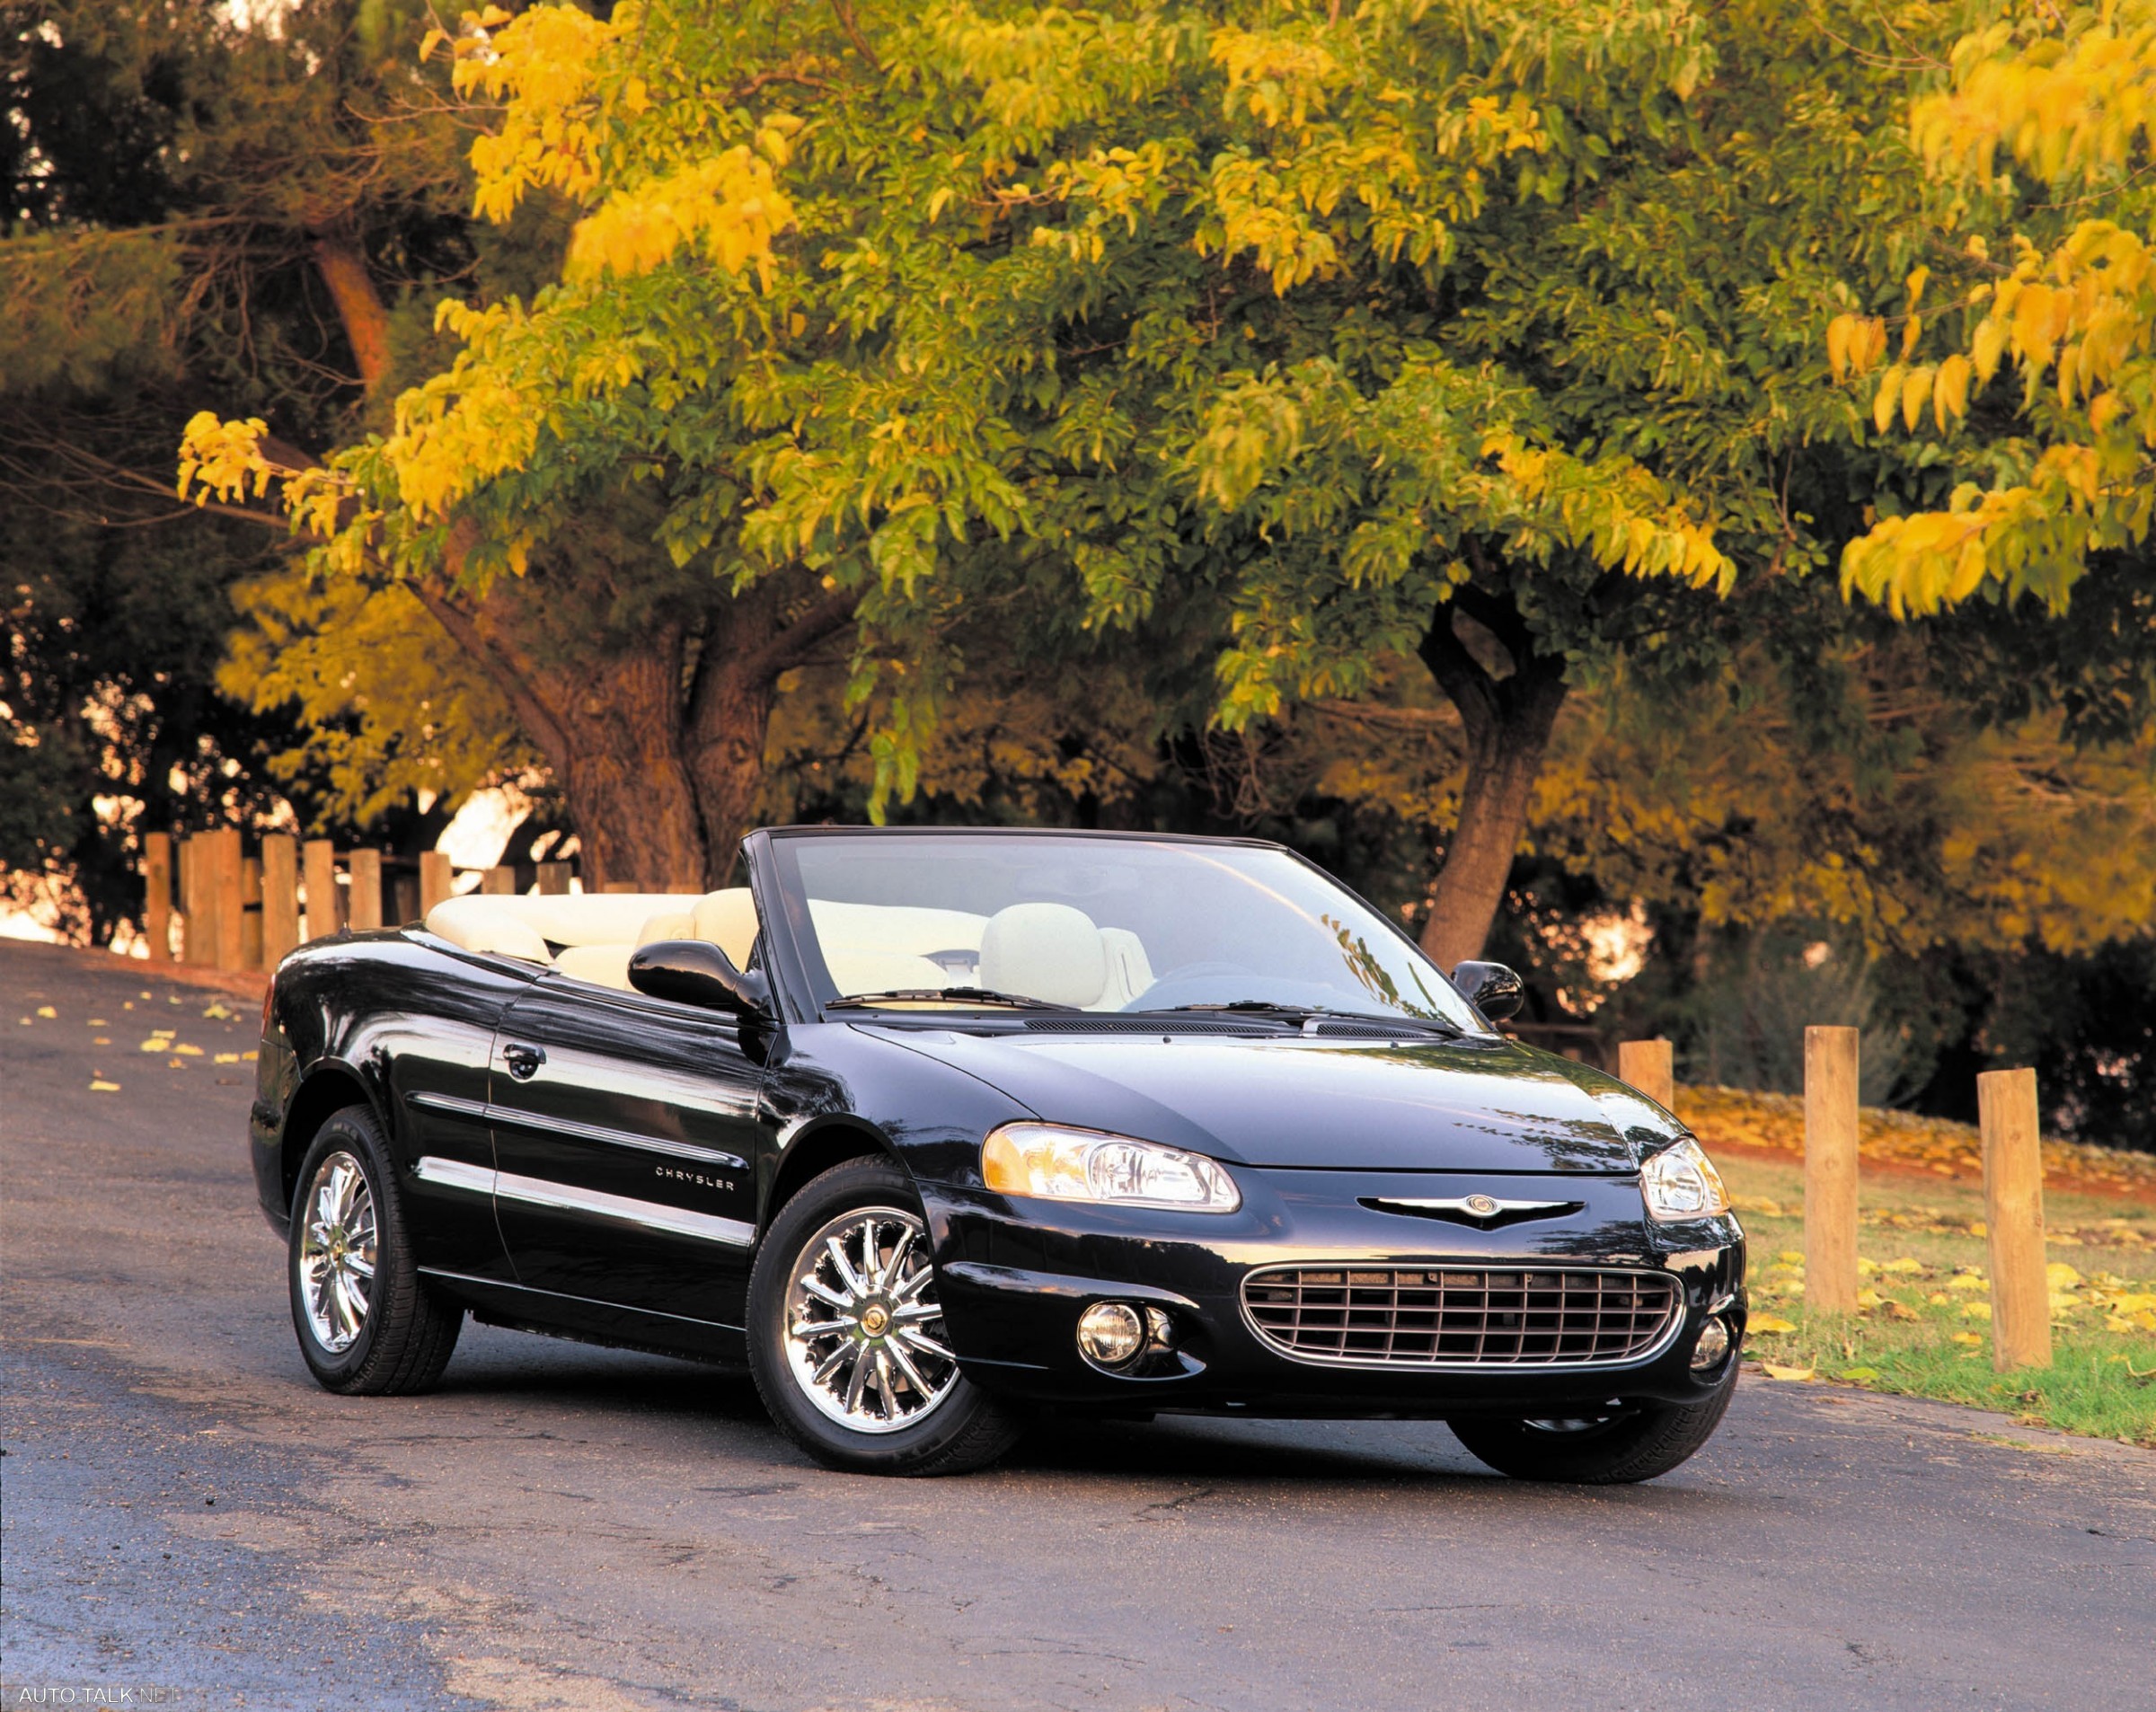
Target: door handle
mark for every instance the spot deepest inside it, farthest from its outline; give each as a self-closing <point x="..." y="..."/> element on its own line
<point x="523" y="1061"/>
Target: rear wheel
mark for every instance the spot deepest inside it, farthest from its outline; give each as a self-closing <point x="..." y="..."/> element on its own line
<point x="1633" y="1444"/>
<point x="367" y="1324"/>
<point x="846" y="1336"/>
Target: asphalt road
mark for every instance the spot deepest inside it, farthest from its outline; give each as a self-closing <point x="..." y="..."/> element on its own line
<point x="189" y="1519"/>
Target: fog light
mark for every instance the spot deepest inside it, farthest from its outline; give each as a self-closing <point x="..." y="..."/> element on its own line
<point x="1110" y="1333"/>
<point x="1713" y="1344"/>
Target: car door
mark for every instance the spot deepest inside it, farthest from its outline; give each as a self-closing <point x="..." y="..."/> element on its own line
<point x="431" y="1036"/>
<point x="626" y="1134"/>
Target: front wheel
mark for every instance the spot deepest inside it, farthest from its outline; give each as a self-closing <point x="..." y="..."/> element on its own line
<point x="846" y="1337"/>
<point x="1634" y="1444"/>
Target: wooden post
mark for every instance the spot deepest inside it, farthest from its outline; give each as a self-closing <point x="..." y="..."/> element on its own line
<point x="1830" y="1171"/>
<point x="498" y="882"/>
<point x="198" y="936"/>
<point x="404" y="899"/>
<point x="553" y="878"/>
<point x="324" y="914"/>
<point x="2013" y="1209"/>
<point x="437" y="880"/>
<point x="225" y="882"/>
<point x="251" y="913"/>
<point x="280" y="897"/>
<point x="157" y="895"/>
<point x="363" y="907"/>
<point x="1648" y="1066"/>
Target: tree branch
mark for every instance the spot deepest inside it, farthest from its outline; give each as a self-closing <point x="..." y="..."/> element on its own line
<point x="342" y="265"/>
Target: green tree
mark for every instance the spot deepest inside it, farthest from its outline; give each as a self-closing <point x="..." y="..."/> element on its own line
<point x="190" y="199"/>
<point x="2038" y="264"/>
<point x="1488" y="337"/>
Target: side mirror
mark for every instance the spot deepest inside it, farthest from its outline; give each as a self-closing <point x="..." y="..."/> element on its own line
<point x="1491" y="988"/>
<point x="697" y="972"/>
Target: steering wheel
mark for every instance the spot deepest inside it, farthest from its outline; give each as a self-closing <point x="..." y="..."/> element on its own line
<point x="1163" y="995"/>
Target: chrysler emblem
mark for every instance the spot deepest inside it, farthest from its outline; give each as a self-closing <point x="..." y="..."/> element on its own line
<point x="1485" y="1210"/>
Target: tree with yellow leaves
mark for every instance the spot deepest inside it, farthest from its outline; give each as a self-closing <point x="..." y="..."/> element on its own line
<point x="1481" y="334"/>
<point x="2042" y="273"/>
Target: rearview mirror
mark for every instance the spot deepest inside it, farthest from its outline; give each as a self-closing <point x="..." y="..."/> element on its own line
<point x="697" y="972"/>
<point x="1491" y="988"/>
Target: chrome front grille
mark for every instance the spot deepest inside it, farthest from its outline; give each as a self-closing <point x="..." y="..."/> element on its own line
<point x="1461" y="1316"/>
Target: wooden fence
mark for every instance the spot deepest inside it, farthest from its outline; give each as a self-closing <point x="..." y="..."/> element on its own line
<point x="215" y="906"/>
<point x="2013" y="1186"/>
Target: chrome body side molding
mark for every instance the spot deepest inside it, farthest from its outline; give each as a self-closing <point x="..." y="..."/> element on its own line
<point x="482" y="1112"/>
<point x="563" y="1198"/>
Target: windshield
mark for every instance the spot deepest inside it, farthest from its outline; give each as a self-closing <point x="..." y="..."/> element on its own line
<point x="1099" y="924"/>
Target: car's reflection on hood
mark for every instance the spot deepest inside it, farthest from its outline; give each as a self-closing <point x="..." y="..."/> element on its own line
<point x="1408" y="1105"/>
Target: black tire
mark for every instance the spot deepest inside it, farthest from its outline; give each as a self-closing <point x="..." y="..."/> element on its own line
<point x="405" y="1336"/>
<point x="966" y="1429"/>
<point x="1645" y="1440"/>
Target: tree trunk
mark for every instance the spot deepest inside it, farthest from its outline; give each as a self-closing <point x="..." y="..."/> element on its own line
<point x="758" y="636"/>
<point x="608" y="721"/>
<point x="1509" y="715"/>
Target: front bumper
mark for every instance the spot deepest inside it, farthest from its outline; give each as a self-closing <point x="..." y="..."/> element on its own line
<point x="1014" y="1273"/>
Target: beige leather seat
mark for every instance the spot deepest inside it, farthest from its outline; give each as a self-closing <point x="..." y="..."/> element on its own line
<point x="590" y="936"/>
<point x="1052" y="952"/>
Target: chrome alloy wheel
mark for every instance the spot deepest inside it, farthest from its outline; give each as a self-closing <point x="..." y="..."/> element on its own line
<point x="864" y="1333"/>
<point x="337" y="1252"/>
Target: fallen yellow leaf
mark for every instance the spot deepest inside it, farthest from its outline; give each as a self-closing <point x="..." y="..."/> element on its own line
<point x="186" y="1051"/>
<point x="1904" y="1265"/>
<point x="1965" y="1281"/>
<point x="1973" y="1339"/>
<point x="1975" y="1310"/>
<point x="1773" y="1372"/>
<point x="227" y="1058"/>
<point x="1771" y="1322"/>
<point x="104" y="1087"/>
<point x="1868" y="1297"/>
<point x="46" y="1010"/>
<point x="2059" y="1275"/>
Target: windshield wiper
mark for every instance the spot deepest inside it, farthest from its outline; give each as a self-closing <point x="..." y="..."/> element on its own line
<point x="1307" y="1012"/>
<point x="934" y="995"/>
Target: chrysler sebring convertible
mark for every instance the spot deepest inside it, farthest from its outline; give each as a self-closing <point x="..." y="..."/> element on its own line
<point x="935" y="1131"/>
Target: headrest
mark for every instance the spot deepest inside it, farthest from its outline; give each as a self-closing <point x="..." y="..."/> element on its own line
<point x="673" y="924"/>
<point x="727" y="920"/>
<point x="1045" y="951"/>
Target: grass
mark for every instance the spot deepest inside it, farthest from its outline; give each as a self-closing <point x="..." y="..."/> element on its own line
<point x="1923" y="1329"/>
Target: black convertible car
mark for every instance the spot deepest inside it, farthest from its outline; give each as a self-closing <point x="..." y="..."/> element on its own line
<point x="932" y="1130"/>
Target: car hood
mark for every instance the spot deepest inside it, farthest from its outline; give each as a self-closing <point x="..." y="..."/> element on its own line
<point x="1297" y="1102"/>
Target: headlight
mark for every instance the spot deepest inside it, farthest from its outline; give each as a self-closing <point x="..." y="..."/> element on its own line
<point x="1061" y="1164"/>
<point x="1681" y="1182"/>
